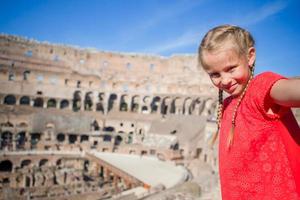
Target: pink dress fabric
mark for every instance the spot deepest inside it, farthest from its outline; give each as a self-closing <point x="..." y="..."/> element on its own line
<point x="264" y="161"/>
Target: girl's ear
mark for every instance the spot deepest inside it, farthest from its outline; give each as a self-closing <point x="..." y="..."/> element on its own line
<point x="251" y="56"/>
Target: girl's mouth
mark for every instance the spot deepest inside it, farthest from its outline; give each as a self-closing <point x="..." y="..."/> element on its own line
<point x="232" y="88"/>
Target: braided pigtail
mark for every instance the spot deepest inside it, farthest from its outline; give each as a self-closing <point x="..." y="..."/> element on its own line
<point x="219" y="117"/>
<point x="231" y="133"/>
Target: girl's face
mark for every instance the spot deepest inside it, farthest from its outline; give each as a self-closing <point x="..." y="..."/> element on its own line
<point x="228" y="70"/>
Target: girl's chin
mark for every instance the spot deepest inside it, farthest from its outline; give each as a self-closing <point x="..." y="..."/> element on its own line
<point x="235" y="93"/>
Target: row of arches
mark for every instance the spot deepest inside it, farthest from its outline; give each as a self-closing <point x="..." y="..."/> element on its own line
<point x="31" y="141"/>
<point x="8" y="166"/>
<point x="36" y="102"/>
<point x="107" y="102"/>
<point x="35" y="172"/>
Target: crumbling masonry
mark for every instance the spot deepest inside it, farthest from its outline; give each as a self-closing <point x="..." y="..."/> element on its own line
<point x="59" y="102"/>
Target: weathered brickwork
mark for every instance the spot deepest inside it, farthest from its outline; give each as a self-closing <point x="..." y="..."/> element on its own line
<point x="59" y="102"/>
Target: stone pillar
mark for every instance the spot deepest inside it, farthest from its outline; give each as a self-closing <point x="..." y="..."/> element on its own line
<point x="106" y="174"/>
<point x="94" y="100"/>
<point x="129" y="103"/>
<point x="70" y="107"/>
<point x="45" y="102"/>
<point x="58" y="104"/>
<point x="105" y="103"/>
<point x="116" y="105"/>
<point x="32" y="102"/>
<point x="27" y="141"/>
<point x="82" y="104"/>
<point x="18" y="100"/>
<point x="13" y="143"/>
<point x="140" y="102"/>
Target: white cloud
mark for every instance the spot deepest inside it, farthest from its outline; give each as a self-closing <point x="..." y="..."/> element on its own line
<point x="186" y="39"/>
<point x="160" y="15"/>
<point x="261" y="13"/>
<point x="192" y="37"/>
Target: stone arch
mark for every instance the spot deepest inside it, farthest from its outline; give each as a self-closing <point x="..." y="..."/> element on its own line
<point x="49" y="131"/>
<point x="179" y="105"/>
<point x="124" y="103"/>
<point x="161" y="156"/>
<point x="23" y="125"/>
<point x="175" y="146"/>
<point x="186" y="105"/>
<point x="155" y="104"/>
<point x="27" y="181"/>
<point x="26" y="75"/>
<point x="20" y="140"/>
<point x="76" y="100"/>
<point x="6" y="140"/>
<point x="43" y="162"/>
<point x="118" y="140"/>
<point x="50" y="125"/>
<point x="144" y="152"/>
<point x="174" y="104"/>
<point x="6" y="166"/>
<point x="88" y="101"/>
<point x="209" y="107"/>
<point x="165" y="106"/>
<point x="72" y="138"/>
<point x="107" y="138"/>
<point x="109" y="129"/>
<point x="7" y="124"/>
<point x="51" y="103"/>
<point x="86" y="165"/>
<point x="64" y="104"/>
<point x="25" y="163"/>
<point x="100" y="104"/>
<point x="146" y="104"/>
<point x="24" y="100"/>
<point x="59" y="162"/>
<point x="135" y="103"/>
<point x="111" y="101"/>
<point x="60" y="137"/>
<point x="130" y="138"/>
<point x="38" y="102"/>
<point x="95" y="126"/>
<point x="198" y="106"/>
<point x="146" y="100"/>
<point x="84" y="138"/>
<point x="35" y="138"/>
<point x="10" y="100"/>
<point x="132" y="151"/>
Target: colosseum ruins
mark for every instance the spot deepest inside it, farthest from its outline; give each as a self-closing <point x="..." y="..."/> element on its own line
<point x="72" y="119"/>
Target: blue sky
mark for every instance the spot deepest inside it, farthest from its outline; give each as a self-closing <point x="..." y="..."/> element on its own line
<point x="163" y="27"/>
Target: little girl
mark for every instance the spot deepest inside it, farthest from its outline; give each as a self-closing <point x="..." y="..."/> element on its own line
<point x="259" y="145"/>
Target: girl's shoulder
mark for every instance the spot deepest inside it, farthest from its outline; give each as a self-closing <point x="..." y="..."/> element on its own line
<point x="258" y="94"/>
<point x="266" y="78"/>
<point x="261" y="84"/>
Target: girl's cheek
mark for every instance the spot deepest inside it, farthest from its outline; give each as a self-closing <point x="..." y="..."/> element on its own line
<point x="216" y="83"/>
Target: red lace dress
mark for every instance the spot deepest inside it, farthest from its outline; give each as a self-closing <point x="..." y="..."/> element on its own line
<point x="264" y="161"/>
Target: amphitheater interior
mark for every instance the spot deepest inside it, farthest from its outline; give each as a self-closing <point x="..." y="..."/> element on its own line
<point x="61" y="106"/>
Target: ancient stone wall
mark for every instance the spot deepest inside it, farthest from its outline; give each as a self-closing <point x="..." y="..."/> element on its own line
<point x="57" y="99"/>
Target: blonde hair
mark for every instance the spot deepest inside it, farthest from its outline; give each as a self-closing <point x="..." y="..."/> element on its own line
<point x="241" y="40"/>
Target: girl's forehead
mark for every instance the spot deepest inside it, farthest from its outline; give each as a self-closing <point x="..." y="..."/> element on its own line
<point x="221" y="56"/>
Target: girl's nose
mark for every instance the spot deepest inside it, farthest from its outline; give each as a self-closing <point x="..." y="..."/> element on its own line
<point x="226" y="81"/>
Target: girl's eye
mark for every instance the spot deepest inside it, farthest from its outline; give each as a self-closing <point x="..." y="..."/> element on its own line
<point x="214" y="75"/>
<point x="231" y="69"/>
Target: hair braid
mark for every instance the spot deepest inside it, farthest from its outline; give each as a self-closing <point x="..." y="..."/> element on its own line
<point x="231" y="134"/>
<point x="219" y="117"/>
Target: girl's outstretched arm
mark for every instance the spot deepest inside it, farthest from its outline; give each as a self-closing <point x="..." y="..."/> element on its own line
<point x="286" y="92"/>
